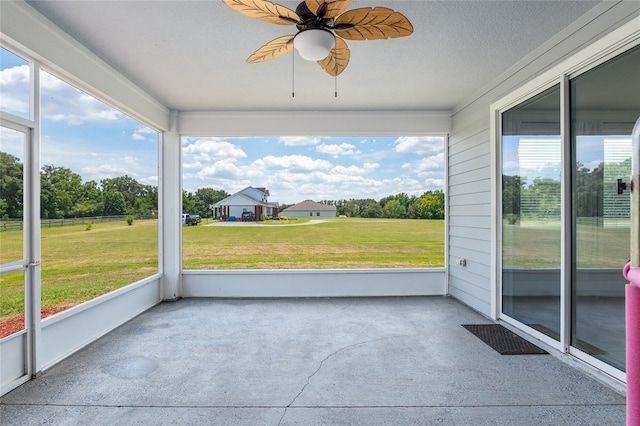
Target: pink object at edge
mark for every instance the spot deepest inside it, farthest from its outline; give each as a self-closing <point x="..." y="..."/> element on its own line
<point x="632" y="305"/>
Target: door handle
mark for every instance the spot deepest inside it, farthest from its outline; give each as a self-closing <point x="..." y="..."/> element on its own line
<point x="622" y="186"/>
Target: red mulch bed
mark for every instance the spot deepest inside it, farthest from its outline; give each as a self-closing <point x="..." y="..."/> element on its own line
<point x="15" y="324"/>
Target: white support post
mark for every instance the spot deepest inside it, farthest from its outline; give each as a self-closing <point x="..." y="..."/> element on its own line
<point x="171" y="212"/>
<point x="32" y="230"/>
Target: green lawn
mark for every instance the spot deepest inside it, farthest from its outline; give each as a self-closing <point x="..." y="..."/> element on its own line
<point x="538" y="245"/>
<point x="79" y="265"/>
<point x="333" y="244"/>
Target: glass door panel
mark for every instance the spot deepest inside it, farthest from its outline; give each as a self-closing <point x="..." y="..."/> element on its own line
<point x="605" y="103"/>
<point x="531" y="212"/>
<point x="12" y="259"/>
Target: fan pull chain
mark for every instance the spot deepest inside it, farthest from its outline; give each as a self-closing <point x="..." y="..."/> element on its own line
<point x="293" y="75"/>
<point x="335" y="66"/>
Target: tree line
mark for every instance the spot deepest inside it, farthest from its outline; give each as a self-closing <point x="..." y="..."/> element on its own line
<point x="543" y="194"/>
<point x="64" y="195"/>
<point x="430" y="205"/>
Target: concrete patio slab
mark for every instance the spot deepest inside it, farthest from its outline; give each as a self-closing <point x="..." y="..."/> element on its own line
<point x="308" y="361"/>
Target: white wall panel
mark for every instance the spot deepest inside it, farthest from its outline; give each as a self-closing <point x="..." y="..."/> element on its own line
<point x="12" y="361"/>
<point x="75" y="328"/>
<point x="315" y="283"/>
<point x="313" y="123"/>
<point x="473" y="199"/>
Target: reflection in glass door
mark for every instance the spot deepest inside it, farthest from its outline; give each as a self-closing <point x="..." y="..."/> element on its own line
<point x="605" y="103"/>
<point x="531" y="212"/>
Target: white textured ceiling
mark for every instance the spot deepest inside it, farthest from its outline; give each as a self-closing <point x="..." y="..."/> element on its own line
<point x="190" y="55"/>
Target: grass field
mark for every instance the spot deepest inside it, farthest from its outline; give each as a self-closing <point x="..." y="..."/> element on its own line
<point x="79" y="265"/>
<point x="333" y="244"/>
<point x="538" y="246"/>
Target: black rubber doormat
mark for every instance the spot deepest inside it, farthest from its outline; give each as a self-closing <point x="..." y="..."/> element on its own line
<point x="503" y="341"/>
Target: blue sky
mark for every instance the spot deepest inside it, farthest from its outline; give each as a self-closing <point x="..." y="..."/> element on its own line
<point x="97" y="142"/>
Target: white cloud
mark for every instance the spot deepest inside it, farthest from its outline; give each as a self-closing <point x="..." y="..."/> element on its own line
<point x="337" y="150"/>
<point x="434" y="184"/>
<point x="104" y="171"/>
<point x="419" y="145"/>
<point x="206" y="150"/>
<point x="355" y="170"/>
<point x="150" y="180"/>
<point x="63" y="102"/>
<point x="292" y="163"/>
<point x="14" y="86"/>
<point x="131" y="160"/>
<point x="427" y="166"/>
<point x="298" y="140"/>
<point x="228" y="169"/>
<point x="142" y="133"/>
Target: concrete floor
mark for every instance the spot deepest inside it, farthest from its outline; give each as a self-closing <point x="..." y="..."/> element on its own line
<point x="369" y="361"/>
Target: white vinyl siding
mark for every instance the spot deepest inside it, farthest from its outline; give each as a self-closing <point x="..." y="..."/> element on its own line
<point x="470" y="182"/>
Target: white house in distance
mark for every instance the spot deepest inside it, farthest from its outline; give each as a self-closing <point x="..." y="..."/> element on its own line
<point x="253" y="202"/>
<point x="310" y="208"/>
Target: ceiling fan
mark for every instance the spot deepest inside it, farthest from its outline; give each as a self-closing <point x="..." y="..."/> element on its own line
<point x="322" y="29"/>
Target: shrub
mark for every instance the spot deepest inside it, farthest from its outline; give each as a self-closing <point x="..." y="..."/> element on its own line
<point x="129" y="220"/>
<point x="87" y="224"/>
<point x="512" y="218"/>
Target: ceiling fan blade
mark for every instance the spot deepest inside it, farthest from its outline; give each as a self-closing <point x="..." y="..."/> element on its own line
<point x="272" y="50"/>
<point x="372" y="24"/>
<point x="338" y="59"/>
<point x="333" y="7"/>
<point x="264" y="10"/>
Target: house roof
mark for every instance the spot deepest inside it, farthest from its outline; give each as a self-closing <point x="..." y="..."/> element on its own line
<point x="191" y="55"/>
<point x="309" y="205"/>
<point x="240" y="198"/>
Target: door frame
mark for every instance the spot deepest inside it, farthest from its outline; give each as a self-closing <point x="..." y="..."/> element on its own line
<point x="610" y="46"/>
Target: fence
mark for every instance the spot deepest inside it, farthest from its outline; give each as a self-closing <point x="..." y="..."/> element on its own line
<point x="17" y="224"/>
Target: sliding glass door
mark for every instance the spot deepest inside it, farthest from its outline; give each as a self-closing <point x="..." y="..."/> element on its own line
<point x="531" y="208"/>
<point x="605" y="103"/>
<point x="562" y="251"/>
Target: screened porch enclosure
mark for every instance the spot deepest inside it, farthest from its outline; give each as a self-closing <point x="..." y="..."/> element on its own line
<point x="535" y="229"/>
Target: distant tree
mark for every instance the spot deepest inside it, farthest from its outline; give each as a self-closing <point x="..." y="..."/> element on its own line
<point x="188" y="202"/>
<point x="373" y="209"/>
<point x="393" y="209"/>
<point x="48" y="203"/>
<point x="11" y="186"/>
<point x="67" y="190"/>
<point x="91" y="202"/>
<point x="430" y="205"/>
<point x="114" y="203"/>
<point x="130" y="189"/>
<point x="204" y="197"/>
<point x="511" y="194"/>
<point x="283" y="207"/>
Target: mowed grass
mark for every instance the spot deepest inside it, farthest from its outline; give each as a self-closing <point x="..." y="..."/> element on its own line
<point x="332" y="244"/>
<point x="79" y="265"/>
<point x="538" y="246"/>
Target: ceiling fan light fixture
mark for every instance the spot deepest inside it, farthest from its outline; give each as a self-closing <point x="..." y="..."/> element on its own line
<point x="314" y="44"/>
